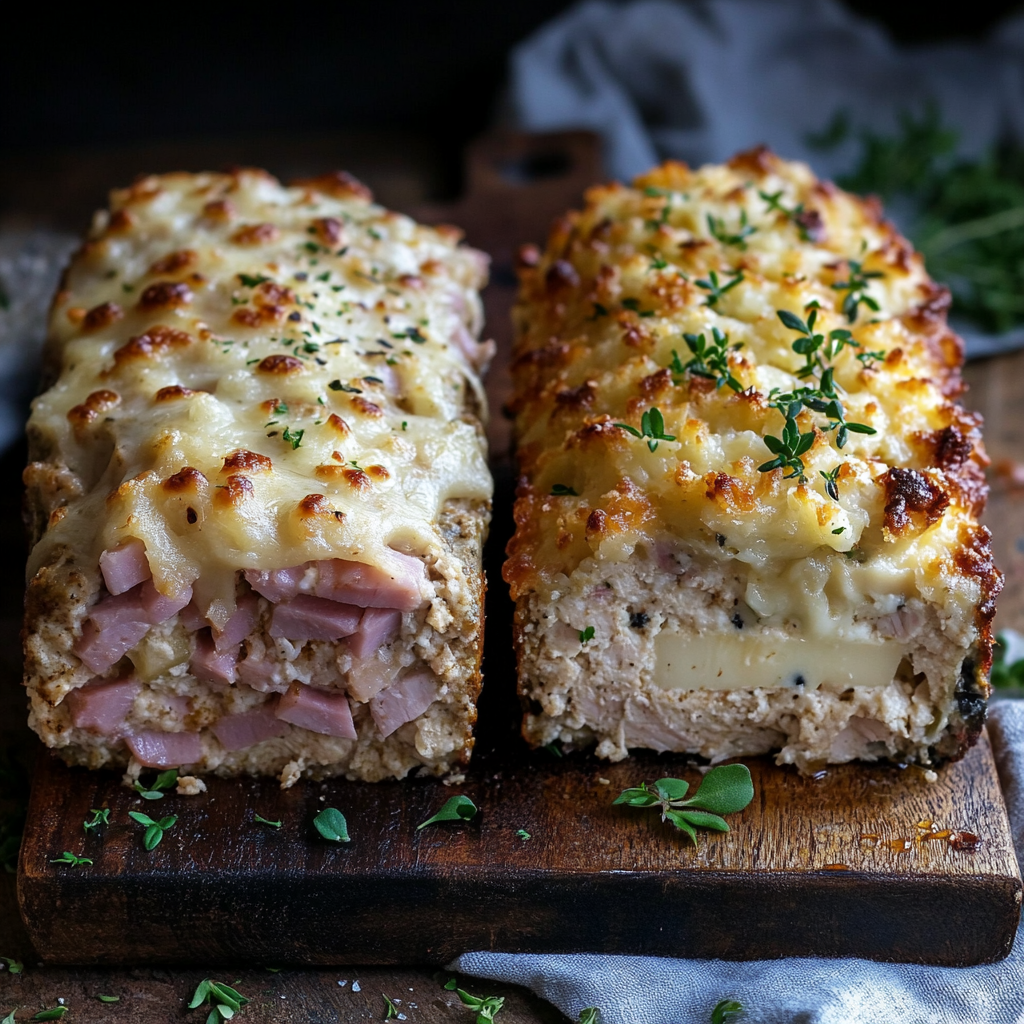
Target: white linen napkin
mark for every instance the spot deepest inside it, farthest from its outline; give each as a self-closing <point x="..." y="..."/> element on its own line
<point x="700" y="81"/>
<point x="652" y="990"/>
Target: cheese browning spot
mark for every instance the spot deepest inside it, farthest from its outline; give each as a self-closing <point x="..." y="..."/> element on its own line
<point x="255" y="234"/>
<point x="89" y="410"/>
<point x="280" y="365"/>
<point x="156" y="342"/>
<point x="172" y="393"/>
<point x="248" y="462"/>
<point x="166" y="295"/>
<point x="364" y="406"/>
<point x="101" y="316"/>
<point x="186" y="480"/>
<point x="174" y="263"/>
<point x="340" y="427"/>
<point x="237" y="489"/>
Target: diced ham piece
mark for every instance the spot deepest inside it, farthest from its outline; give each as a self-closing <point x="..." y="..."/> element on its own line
<point x="397" y="583"/>
<point x="125" y="566"/>
<point x="99" y="648"/>
<point x="211" y="665"/>
<point x="102" y="706"/>
<point x="192" y="618"/>
<point x="165" y="749"/>
<point x="242" y="622"/>
<point x="313" y="618"/>
<point x="405" y="700"/>
<point x="259" y="674"/>
<point x="321" y="711"/>
<point x="277" y="584"/>
<point x="236" y="732"/>
<point x="376" y="628"/>
<point x="116" y="624"/>
<point x="368" y="676"/>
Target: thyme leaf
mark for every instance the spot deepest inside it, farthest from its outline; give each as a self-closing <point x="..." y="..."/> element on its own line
<point x="586" y="635"/>
<point x="652" y="427"/>
<point x="331" y="824"/>
<point x="154" y="830"/>
<point x="738" y="238"/>
<point x="855" y="287"/>
<point x="715" y="289"/>
<point x="67" y="857"/>
<point x="164" y="781"/>
<point x="486" y="1007"/>
<point x="98" y="818"/>
<point x="709" y="361"/>
<point x="456" y="808"/>
<point x="726" y="1010"/>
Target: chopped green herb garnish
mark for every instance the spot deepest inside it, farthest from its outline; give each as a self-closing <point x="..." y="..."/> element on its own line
<point x="868" y="359"/>
<point x="738" y="238"/>
<point x="224" y="1000"/>
<point x="53" y="1014"/>
<point x="788" y="448"/>
<point x="838" y="530"/>
<point x="154" y="829"/>
<point x="294" y="438"/>
<point x="336" y="385"/>
<point x="709" y="361"/>
<point x="164" y="781"/>
<point x="252" y="280"/>
<point x="523" y="834"/>
<point x="724" y="790"/>
<point x="98" y="818"/>
<point x="652" y="427"/>
<point x="13" y="966"/>
<point x="554" y="749"/>
<point x="831" y="479"/>
<point x="797" y="214"/>
<point x="486" y="1007"/>
<point x="657" y="263"/>
<point x="586" y="635"/>
<point x="725" y="1011"/>
<point x="260" y="820"/>
<point x="67" y="857"/>
<point x="716" y="290"/>
<point x="456" y="808"/>
<point x="331" y="824"/>
<point x="109" y="999"/>
<point x="855" y="287"/>
<point x="599" y="311"/>
<point x="392" y="1010"/>
<point x="563" y="490"/>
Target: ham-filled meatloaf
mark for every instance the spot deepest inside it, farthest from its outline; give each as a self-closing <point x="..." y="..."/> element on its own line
<point x="748" y="513"/>
<point x="258" y="488"/>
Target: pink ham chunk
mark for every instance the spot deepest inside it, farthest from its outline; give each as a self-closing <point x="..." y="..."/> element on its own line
<point x="192" y="618"/>
<point x="260" y="674"/>
<point x="313" y="618"/>
<point x="376" y="628"/>
<point x="236" y="732"/>
<point x="102" y="706"/>
<point x="211" y="665"/>
<point x="404" y="701"/>
<point x="116" y="624"/>
<point x="242" y="622"/>
<point x="165" y="749"/>
<point x="398" y="583"/>
<point x="321" y="711"/>
<point x="125" y="566"/>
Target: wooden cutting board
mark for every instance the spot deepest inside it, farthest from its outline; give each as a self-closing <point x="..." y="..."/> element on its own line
<point x="864" y="861"/>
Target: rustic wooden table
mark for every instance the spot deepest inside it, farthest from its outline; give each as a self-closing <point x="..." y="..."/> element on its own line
<point x="58" y="192"/>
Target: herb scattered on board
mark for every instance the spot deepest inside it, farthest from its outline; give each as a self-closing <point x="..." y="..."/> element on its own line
<point x="589" y="1015"/>
<point x="456" y="808"/>
<point x="652" y="427"/>
<point x="965" y="215"/>
<point x="260" y="820"/>
<point x="586" y="635"/>
<point x="108" y="999"/>
<point x="164" y="781"/>
<point x="224" y="1001"/>
<point x="55" y="1013"/>
<point x="13" y="966"/>
<point x="486" y="1007"/>
<point x="523" y="834"/>
<point x="726" y="1010"/>
<point x="710" y="361"/>
<point x="856" y="286"/>
<point x="724" y="790"/>
<point x="9" y="1019"/>
<point x="99" y="818"/>
<point x="331" y="824"/>
<point x="715" y="289"/>
<point x="154" y="829"/>
<point x="391" y="1011"/>
<point x="67" y="857"/>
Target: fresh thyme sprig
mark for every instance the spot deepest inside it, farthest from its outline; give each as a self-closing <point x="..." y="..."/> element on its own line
<point x="831" y="479"/>
<point x="709" y="361"/>
<point x="738" y="238"/>
<point x="724" y="790"/>
<point x="391" y="1011"/>
<point x="164" y="781"/>
<point x="154" y="829"/>
<point x="796" y="214"/>
<point x="716" y="290"/>
<point x="13" y="966"/>
<point x="652" y="427"/>
<point x="789" y="448"/>
<point x="868" y="359"/>
<point x="855" y="286"/>
<point x="224" y="1000"/>
<point x="813" y="346"/>
<point x="456" y="808"/>
<point x="486" y="1007"/>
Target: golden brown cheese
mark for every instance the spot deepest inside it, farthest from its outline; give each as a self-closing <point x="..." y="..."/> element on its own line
<point x="652" y="350"/>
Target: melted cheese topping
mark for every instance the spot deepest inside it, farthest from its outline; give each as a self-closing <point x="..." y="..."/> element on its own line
<point x="601" y="324"/>
<point x="253" y="376"/>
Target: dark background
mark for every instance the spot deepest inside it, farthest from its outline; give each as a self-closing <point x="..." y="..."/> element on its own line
<point x="421" y="70"/>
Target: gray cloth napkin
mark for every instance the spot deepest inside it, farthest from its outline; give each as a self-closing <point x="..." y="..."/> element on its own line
<point x="651" y="990"/>
<point x="700" y="81"/>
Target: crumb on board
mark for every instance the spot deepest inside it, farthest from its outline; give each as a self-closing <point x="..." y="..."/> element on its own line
<point x="189" y="785"/>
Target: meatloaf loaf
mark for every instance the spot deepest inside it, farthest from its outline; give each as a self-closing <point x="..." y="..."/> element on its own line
<point x="748" y="513"/>
<point x="258" y="487"/>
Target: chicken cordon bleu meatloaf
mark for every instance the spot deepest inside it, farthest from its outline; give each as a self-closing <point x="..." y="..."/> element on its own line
<point x="258" y="488"/>
<point x="747" y="518"/>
